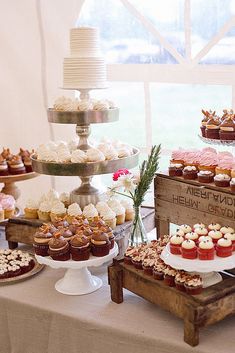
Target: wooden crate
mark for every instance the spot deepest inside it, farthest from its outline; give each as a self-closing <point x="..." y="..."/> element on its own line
<point x="212" y="305"/>
<point x="182" y="201"/>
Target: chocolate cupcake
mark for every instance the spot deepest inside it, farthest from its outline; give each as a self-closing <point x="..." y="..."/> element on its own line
<point x="190" y="173"/>
<point x="80" y="247"/>
<point x="16" y="165"/>
<point x="108" y="230"/>
<point x="60" y="222"/>
<point x="204" y="122"/>
<point x="41" y="240"/>
<point x="3" y="166"/>
<point x="212" y="128"/>
<point x="193" y="285"/>
<point x="227" y="129"/>
<point x="66" y="233"/>
<point x="205" y="176"/>
<point x="100" y="244"/>
<point x="28" y="164"/>
<point x="222" y="180"/>
<point x="175" y="169"/>
<point x="59" y="248"/>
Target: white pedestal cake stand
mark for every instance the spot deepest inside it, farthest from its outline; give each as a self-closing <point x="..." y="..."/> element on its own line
<point x="78" y="279"/>
<point x="206" y="268"/>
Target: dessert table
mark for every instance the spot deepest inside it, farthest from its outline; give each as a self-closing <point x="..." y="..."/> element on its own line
<point x="35" y="318"/>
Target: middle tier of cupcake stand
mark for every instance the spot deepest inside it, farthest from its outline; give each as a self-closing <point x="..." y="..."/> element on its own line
<point x="208" y="269"/>
<point x="89" y="191"/>
<point x="78" y="279"/>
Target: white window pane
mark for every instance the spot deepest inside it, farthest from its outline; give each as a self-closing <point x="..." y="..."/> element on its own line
<point x="124" y="38"/>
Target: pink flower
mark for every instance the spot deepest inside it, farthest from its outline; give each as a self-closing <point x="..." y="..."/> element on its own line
<point x="119" y="173"/>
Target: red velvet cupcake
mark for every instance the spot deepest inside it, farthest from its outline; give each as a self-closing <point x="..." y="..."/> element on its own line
<point x="130" y="251"/>
<point x="180" y="279"/>
<point x="224" y="247"/>
<point x="80" y="248"/>
<point x="148" y="265"/>
<point x="231" y="236"/>
<point x="206" y="250"/>
<point x="100" y="244"/>
<point x="169" y="276"/>
<point x="193" y="285"/>
<point x="215" y="235"/>
<point x="158" y="270"/>
<point x="189" y="249"/>
<point x="175" y="244"/>
<point x="59" y="248"/>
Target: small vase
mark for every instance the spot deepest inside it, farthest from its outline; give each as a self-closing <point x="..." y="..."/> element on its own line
<point x="138" y="234"/>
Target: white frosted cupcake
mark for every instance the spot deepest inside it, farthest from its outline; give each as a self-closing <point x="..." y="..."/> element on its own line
<point x="129" y="210"/>
<point x="44" y="211"/>
<point x="58" y="210"/>
<point x="52" y="195"/>
<point x="78" y="156"/>
<point x="102" y="206"/>
<point x="226" y="229"/>
<point x="90" y="212"/>
<point x="185" y="228"/>
<point x="65" y="198"/>
<point x="95" y="155"/>
<point x="73" y="211"/>
<point x="120" y="213"/>
<point x="31" y="209"/>
<point x="109" y="217"/>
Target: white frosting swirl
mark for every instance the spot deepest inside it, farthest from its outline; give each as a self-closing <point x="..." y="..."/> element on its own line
<point x="45" y="206"/>
<point x="32" y="204"/>
<point x="191" y="235"/>
<point x="73" y="145"/>
<point x="230" y="236"/>
<point x="219" y="177"/>
<point x="78" y="156"/>
<point x="113" y="203"/>
<point x="123" y="152"/>
<point x="215" y="234"/>
<point x="225" y="230"/>
<point x="90" y="211"/>
<point x="176" y="239"/>
<point x="109" y="214"/>
<point x="74" y="210"/>
<point x="224" y="242"/>
<point x="95" y="155"/>
<point x="206" y="244"/>
<point x="102" y="207"/>
<point x="58" y="208"/>
<point x="65" y="197"/>
<point x="48" y="156"/>
<point x="188" y="244"/>
<point x="52" y="195"/>
<point x="127" y="204"/>
<point x="119" y="210"/>
<point x="64" y="156"/>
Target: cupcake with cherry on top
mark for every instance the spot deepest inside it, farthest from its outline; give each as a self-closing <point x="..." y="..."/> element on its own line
<point x="205" y="176"/>
<point x="16" y="165"/>
<point x="190" y="173"/>
<point x="80" y="247"/>
<point x="231" y="236"/>
<point x="222" y="180"/>
<point x="100" y="244"/>
<point x="189" y="249"/>
<point x="224" y="247"/>
<point x="59" y="248"/>
<point x="215" y="235"/>
<point x="193" y="285"/>
<point x="206" y="250"/>
<point x="175" y="244"/>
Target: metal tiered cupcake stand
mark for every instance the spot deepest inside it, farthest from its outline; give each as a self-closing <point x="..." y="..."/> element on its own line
<point x="88" y="191"/>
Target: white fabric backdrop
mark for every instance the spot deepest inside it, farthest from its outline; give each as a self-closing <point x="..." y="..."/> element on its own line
<point x="34" y="38"/>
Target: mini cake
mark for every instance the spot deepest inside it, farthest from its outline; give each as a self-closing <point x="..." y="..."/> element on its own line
<point x="206" y="250"/>
<point x="193" y="285"/>
<point x="227" y="129"/>
<point x="175" y="169"/>
<point x="222" y="180"/>
<point x="205" y="176"/>
<point x="44" y="211"/>
<point x="180" y="279"/>
<point x="231" y="236"/>
<point x="3" y="167"/>
<point x="233" y="171"/>
<point x="158" y="270"/>
<point x="73" y="211"/>
<point x="190" y="173"/>
<point x="129" y="210"/>
<point x="193" y="236"/>
<point x="232" y="185"/>
<point x="109" y="218"/>
<point x="224" y="247"/>
<point x="215" y="235"/>
<point x="175" y="244"/>
<point x="80" y="248"/>
<point x="224" y="166"/>
<point x="16" y="165"/>
<point x="90" y="212"/>
<point x="57" y="210"/>
<point x="41" y="241"/>
<point x="212" y="128"/>
<point x="185" y="228"/>
<point x="208" y="161"/>
<point x="226" y="229"/>
<point x="31" y="209"/>
<point x="59" y="248"/>
<point x="189" y="249"/>
<point x="169" y="276"/>
<point x="100" y="244"/>
<point x="214" y="226"/>
<point x="148" y="265"/>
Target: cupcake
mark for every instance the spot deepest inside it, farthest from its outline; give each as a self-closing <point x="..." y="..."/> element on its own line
<point x="175" y="169"/>
<point x="224" y="247"/>
<point x="66" y="233"/>
<point x="28" y="164"/>
<point x="78" y="156"/>
<point x="80" y="248"/>
<point x="212" y="128"/>
<point x="226" y="229"/>
<point x="169" y="276"/>
<point x="31" y="209"/>
<point x="108" y="230"/>
<point x="8" y="205"/>
<point x="206" y="250"/>
<point x="232" y="185"/>
<point x="193" y="285"/>
<point x="233" y="171"/>
<point x="175" y="244"/>
<point x="119" y="210"/>
<point x="190" y="173"/>
<point x="101" y="207"/>
<point x="3" y="167"/>
<point x="6" y="154"/>
<point x="204" y="238"/>
<point x="215" y="235"/>
<point x="222" y="180"/>
<point x="109" y="218"/>
<point x="16" y="165"/>
<point x="189" y="249"/>
<point x="100" y="244"/>
<point x="180" y="279"/>
<point x="65" y="198"/>
<point x="185" y="228"/>
<point x="201" y="231"/>
<point x="41" y="240"/>
<point x="193" y="236"/>
<point x="44" y="211"/>
<point x="148" y="265"/>
<point x="158" y="270"/>
<point x="129" y="210"/>
<point x="177" y="157"/>
<point x="1" y="213"/>
<point x="214" y="226"/>
<point x="74" y="211"/>
<point x="204" y="122"/>
<point x="180" y="231"/>
<point x="227" y="129"/>
<point x="90" y="212"/>
<point x="205" y="176"/>
<point x="231" y="236"/>
<point x="128" y="255"/>
<point x="57" y="210"/>
<point x="59" y="248"/>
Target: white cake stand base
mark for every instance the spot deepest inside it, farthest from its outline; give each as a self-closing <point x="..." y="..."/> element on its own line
<point x="78" y="279"/>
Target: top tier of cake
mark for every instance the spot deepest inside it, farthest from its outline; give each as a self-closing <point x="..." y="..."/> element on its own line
<point x="85" y="42"/>
<point x="85" y="68"/>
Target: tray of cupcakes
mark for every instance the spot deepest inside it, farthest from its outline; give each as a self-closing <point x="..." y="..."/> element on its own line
<point x="218" y="129"/>
<point x="147" y="258"/>
<point x="12" y="165"/>
<point x="207" y="166"/>
<point x="16" y="265"/>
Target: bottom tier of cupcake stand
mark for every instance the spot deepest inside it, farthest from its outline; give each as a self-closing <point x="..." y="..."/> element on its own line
<point x="207" y="269"/>
<point x="77" y="279"/>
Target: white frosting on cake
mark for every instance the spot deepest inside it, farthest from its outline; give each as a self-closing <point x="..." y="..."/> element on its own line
<point x="90" y="211"/>
<point x="74" y="209"/>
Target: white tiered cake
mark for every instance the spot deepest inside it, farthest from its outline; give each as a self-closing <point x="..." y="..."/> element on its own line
<point x="85" y="68"/>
